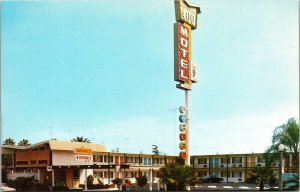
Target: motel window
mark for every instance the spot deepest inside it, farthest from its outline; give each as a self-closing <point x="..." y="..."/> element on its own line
<point x="129" y="175"/>
<point x="145" y="161"/>
<point x="33" y="162"/>
<point x="192" y="161"/>
<point x="202" y="160"/>
<point x="223" y="160"/>
<point x="162" y="161"/>
<point x="35" y="149"/>
<point x="111" y="159"/>
<point x="223" y="174"/>
<point x="156" y="161"/>
<point x="111" y="175"/>
<point x="260" y="159"/>
<point x="236" y="159"/>
<point x="76" y="174"/>
<point x="22" y="162"/>
<point x="42" y="162"/>
<point x="98" y="158"/>
<point x="237" y="174"/>
<point x="202" y="173"/>
<point x="136" y="159"/>
<point x="129" y="159"/>
<point x="147" y="174"/>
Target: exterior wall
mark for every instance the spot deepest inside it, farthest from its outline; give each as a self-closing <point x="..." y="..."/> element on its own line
<point x="13" y="176"/>
<point x="30" y="156"/>
<point x="82" y="175"/>
<point x="236" y="165"/>
<point x="69" y="178"/>
<point x="67" y="158"/>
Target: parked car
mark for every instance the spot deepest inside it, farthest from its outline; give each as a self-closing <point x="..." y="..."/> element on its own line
<point x="212" y="179"/>
<point x="4" y="187"/>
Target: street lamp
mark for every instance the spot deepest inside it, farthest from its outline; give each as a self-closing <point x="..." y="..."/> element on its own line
<point x="281" y="148"/>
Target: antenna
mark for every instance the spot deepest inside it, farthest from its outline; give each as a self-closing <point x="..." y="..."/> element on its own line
<point x="50" y="132"/>
<point x="93" y="136"/>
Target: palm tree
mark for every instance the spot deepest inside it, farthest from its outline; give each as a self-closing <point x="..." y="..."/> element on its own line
<point x="81" y="139"/>
<point x="177" y="177"/>
<point x="292" y="183"/>
<point x="24" y="142"/>
<point x="262" y="176"/>
<point x="287" y="134"/>
<point x="9" y="141"/>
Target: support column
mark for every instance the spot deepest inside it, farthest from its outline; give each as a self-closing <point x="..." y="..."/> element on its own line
<point x="150" y="182"/>
<point x="53" y="180"/>
<point x="85" y="182"/>
<point x="187" y="130"/>
<point x="39" y="175"/>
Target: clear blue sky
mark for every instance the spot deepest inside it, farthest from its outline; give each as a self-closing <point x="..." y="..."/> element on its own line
<point x="104" y="70"/>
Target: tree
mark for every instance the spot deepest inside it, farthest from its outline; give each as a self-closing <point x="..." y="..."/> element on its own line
<point x="24" y="142"/>
<point x="155" y="150"/>
<point x="287" y="134"/>
<point x="142" y="181"/>
<point x="177" y="177"/>
<point x="262" y="176"/>
<point x="81" y="139"/>
<point x="292" y="183"/>
<point x="9" y="141"/>
<point x="118" y="182"/>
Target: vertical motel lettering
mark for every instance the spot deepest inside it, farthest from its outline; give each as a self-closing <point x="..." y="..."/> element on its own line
<point x="183" y="53"/>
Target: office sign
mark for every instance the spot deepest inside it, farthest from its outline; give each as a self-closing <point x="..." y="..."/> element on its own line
<point x="183" y="154"/>
<point x="187" y="12"/>
<point x="182" y="52"/>
<point x="84" y="151"/>
<point x="83" y="157"/>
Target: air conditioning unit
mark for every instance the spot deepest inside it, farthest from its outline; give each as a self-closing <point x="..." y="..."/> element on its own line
<point x="221" y="165"/>
<point x="240" y="165"/>
<point x="258" y="165"/>
<point x="49" y="168"/>
<point x="204" y="165"/>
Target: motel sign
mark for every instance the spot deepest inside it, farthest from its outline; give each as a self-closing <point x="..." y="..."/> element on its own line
<point x="185" y="71"/>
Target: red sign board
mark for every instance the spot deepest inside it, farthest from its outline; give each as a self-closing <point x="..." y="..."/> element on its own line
<point x="182" y="154"/>
<point x="182" y="63"/>
<point x="83" y="157"/>
<point x="182" y="136"/>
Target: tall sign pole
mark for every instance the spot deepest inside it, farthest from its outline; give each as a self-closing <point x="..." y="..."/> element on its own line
<point x="184" y="70"/>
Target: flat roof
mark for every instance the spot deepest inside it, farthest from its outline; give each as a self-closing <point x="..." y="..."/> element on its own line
<point x="61" y="145"/>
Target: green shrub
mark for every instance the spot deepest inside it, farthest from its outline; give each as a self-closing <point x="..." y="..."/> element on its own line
<point x="21" y="183"/>
<point x="90" y="180"/>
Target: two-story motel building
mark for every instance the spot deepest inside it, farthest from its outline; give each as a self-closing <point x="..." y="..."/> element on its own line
<point x="68" y="163"/>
